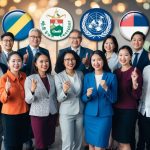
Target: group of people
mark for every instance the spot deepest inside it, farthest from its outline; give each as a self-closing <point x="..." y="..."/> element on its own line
<point x="99" y="94"/>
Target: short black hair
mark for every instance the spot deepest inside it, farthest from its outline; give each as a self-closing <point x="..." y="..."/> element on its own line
<point x="115" y="43"/>
<point x="102" y="55"/>
<point x="7" y="34"/>
<point x="128" y="48"/>
<point x="14" y="53"/>
<point x="37" y="55"/>
<point x="140" y="33"/>
<point x="60" y="61"/>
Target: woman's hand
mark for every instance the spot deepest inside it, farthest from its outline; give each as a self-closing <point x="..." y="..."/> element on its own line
<point x="89" y="92"/>
<point x="134" y="77"/>
<point x="7" y="85"/>
<point x="33" y="85"/>
<point x="66" y="86"/>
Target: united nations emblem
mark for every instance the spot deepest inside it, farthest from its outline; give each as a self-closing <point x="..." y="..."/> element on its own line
<point x="56" y="23"/>
<point x="96" y="24"/>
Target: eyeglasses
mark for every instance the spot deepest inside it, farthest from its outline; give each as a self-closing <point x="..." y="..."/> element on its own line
<point x="69" y="60"/>
<point x="75" y="38"/>
<point x="35" y="37"/>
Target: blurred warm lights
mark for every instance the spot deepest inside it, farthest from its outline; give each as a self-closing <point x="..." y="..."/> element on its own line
<point x="53" y="3"/>
<point x="146" y="6"/>
<point x="17" y="1"/>
<point x="78" y="3"/>
<point x="83" y="2"/>
<point x="12" y="8"/>
<point x="32" y="7"/>
<point x="43" y="3"/>
<point x="140" y="1"/>
<point x="107" y="1"/>
<point x="79" y="11"/>
<point x="3" y="3"/>
<point x="94" y="5"/>
<point x="38" y="13"/>
<point x="2" y="11"/>
<point x="114" y="8"/>
<point x="121" y="7"/>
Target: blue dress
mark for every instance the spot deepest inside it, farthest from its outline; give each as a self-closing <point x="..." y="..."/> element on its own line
<point x="98" y="109"/>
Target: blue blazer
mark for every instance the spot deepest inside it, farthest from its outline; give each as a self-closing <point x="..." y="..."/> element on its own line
<point x="3" y="67"/>
<point x="143" y="61"/>
<point x="83" y="52"/>
<point x="27" y="68"/>
<point x="100" y="102"/>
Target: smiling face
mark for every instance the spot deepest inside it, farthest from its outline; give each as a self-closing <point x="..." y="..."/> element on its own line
<point x="97" y="62"/>
<point x="69" y="61"/>
<point x="75" y="40"/>
<point x="7" y="43"/>
<point x="42" y="64"/>
<point x="124" y="57"/>
<point x="34" y="39"/>
<point x="109" y="45"/>
<point x="137" y="42"/>
<point x="15" y="63"/>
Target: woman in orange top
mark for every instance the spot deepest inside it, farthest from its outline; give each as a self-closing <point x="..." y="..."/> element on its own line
<point x="14" y="110"/>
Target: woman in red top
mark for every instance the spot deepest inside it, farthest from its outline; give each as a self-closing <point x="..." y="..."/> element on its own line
<point x="14" y="109"/>
<point x="129" y="92"/>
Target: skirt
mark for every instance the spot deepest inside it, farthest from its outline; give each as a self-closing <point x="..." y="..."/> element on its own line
<point x="15" y="128"/>
<point x="123" y="127"/>
<point x="44" y="130"/>
<point x="97" y="130"/>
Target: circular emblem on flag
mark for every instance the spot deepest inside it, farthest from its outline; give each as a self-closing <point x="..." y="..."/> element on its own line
<point x="56" y="23"/>
<point x="96" y="24"/>
<point x="17" y="22"/>
<point x="131" y="22"/>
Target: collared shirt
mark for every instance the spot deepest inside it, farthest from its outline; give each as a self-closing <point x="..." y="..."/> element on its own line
<point x="34" y="50"/>
<point x="13" y="101"/>
<point x="6" y="53"/>
<point x="76" y="50"/>
<point x="144" y="106"/>
<point x="139" y="54"/>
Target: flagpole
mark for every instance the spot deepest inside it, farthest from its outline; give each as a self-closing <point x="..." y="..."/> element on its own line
<point x="56" y="49"/>
<point x="96" y="45"/>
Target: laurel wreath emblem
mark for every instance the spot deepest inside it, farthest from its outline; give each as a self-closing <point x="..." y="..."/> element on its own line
<point x="103" y="34"/>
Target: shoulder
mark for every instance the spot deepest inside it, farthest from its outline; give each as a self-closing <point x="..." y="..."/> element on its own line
<point x="64" y="50"/>
<point x="4" y="67"/>
<point x="23" y="74"/>
<point x="86" y="49"/>
<point x="43" y="50"/>
<point x="80" y="73"/>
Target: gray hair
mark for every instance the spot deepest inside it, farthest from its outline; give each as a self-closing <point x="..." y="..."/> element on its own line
<point x="35" y="30"/>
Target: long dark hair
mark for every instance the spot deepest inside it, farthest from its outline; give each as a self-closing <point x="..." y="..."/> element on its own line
<point x="60" y="61"/>
<point x="114" y="41"/>
<point x="102" y="55"/>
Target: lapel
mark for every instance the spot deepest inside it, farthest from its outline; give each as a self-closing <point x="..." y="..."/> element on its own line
<point x="93" y="81"/>
<point x="43" y="88"/>
<point x="72" y="89"/>
<point x="142" y="57"/>
<point x="3" y="58"/>
<point x="30" y="59"/>
<point x="82" y="51"/>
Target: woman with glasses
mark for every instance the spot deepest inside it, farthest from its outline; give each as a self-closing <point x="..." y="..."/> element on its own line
<point x="68" y="83"/>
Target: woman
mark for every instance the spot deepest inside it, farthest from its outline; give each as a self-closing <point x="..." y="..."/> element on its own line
<point x="129" y="92"/>
<point x="14" y="108"/>
<point x="99" y="92"/>
<point x="110" y="48"/>
<point x="40" y="93"/>
<point x="68" y="83"/>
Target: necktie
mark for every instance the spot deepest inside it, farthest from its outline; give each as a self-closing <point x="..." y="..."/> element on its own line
<point x="135" y="59"/>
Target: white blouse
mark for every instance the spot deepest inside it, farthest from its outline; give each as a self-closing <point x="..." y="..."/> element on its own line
<point x="98" y="78"/>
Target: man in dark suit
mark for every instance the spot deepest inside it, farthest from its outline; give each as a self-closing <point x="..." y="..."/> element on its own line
<point x="75" y="39"/>
<point x="140" y="59"/>
<point x="29" y="52"/>
<point x="7" y="40"/>
<point x="140" y="55"/>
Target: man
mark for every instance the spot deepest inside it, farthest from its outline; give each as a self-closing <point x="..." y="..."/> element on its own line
<point x="140" y="56"/>
<point x="75" y="39"/>
<point x="7" y="40"/>
<point x="29" y="52"/>
<point x="140" y="59"/>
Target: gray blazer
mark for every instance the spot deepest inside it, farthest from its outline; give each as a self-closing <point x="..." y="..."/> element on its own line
<point x="71" y="103"/>
<point x="42" y="102"/>
<point x="3" y="58"/>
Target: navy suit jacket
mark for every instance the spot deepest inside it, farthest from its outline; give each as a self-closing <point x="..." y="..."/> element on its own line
<point x="3" y="67"/>
<point x="143" y="61"/>
<point x="100" y="102"/>
<point x="83" y="52"/>
<point x="27" y="68"/>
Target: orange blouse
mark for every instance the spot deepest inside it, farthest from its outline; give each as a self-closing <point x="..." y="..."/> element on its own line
<point x="13" y="101"/>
